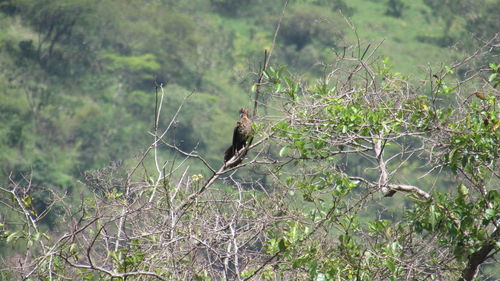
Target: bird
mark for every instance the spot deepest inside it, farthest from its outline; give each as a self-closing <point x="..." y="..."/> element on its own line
<point x="241" y="134"/>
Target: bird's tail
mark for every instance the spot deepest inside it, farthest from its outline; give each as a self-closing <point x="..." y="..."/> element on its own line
<point x="229" y="153"/>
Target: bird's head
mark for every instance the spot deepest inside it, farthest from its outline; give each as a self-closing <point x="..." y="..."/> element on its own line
<point x="243" y="112"/>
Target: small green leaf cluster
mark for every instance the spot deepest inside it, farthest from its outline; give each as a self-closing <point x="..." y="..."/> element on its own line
<point x="128" y="258"/>
<point x="282" y="83"/>
<point x="327" y="181"/>
<point x="494" y="78"/>
<point x="474" y="141"/>
<point x="462" y="224"/>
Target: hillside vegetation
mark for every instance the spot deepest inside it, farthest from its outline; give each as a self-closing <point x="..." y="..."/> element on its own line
<point x="115" y="115"/>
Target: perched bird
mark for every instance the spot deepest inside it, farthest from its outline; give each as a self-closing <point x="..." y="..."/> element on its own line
<point x="242" y="133"/>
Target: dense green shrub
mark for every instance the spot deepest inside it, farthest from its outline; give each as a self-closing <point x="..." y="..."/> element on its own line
<point x="306" y="24"/>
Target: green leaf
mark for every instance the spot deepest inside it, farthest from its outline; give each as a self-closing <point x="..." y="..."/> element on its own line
<point x="282" y="245"/>
<point x="432" y="218"/>
<point x="72" y="248"/>
<point x="46" y="236"/>
<point x="463" y="190"/>
<point x="12" y="236"/>
<point x="390" y="265"/>
<point x="294" y="233"/>
<point x="279" y="87"/>
<point x="489" y="214"/>
<point x="492" y="77"/>
<point x="283" y="151"/>
<point x="253" y="89"/>
<point x="308" y="197"/>
<point x="36" y="236"/>
<point x="313" y="268"/>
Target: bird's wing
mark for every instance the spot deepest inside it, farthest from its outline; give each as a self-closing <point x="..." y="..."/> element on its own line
<point x="236" y="135"/>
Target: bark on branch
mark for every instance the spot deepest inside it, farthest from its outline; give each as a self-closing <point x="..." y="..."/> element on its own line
<point x="479" y="257"/>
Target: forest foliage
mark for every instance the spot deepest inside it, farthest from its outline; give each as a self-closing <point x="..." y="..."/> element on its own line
<point x="114" y="115"/>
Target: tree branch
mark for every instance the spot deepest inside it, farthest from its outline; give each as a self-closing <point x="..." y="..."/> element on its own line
<point x="479" y="257"/>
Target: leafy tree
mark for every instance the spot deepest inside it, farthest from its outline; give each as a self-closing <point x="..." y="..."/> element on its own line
<point x="334" y="119"/>
<point x="474" y="17"/>
<point x="232" y="7"/>
<point x="395" y="8"/>
<point x="246" y="8"/>
<point x="482" y="23"/>
<point x="59" y="23"/>
<point x="334" y="5"/>
<point x="449" y="11"/>
<point x="305" y="24"/>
